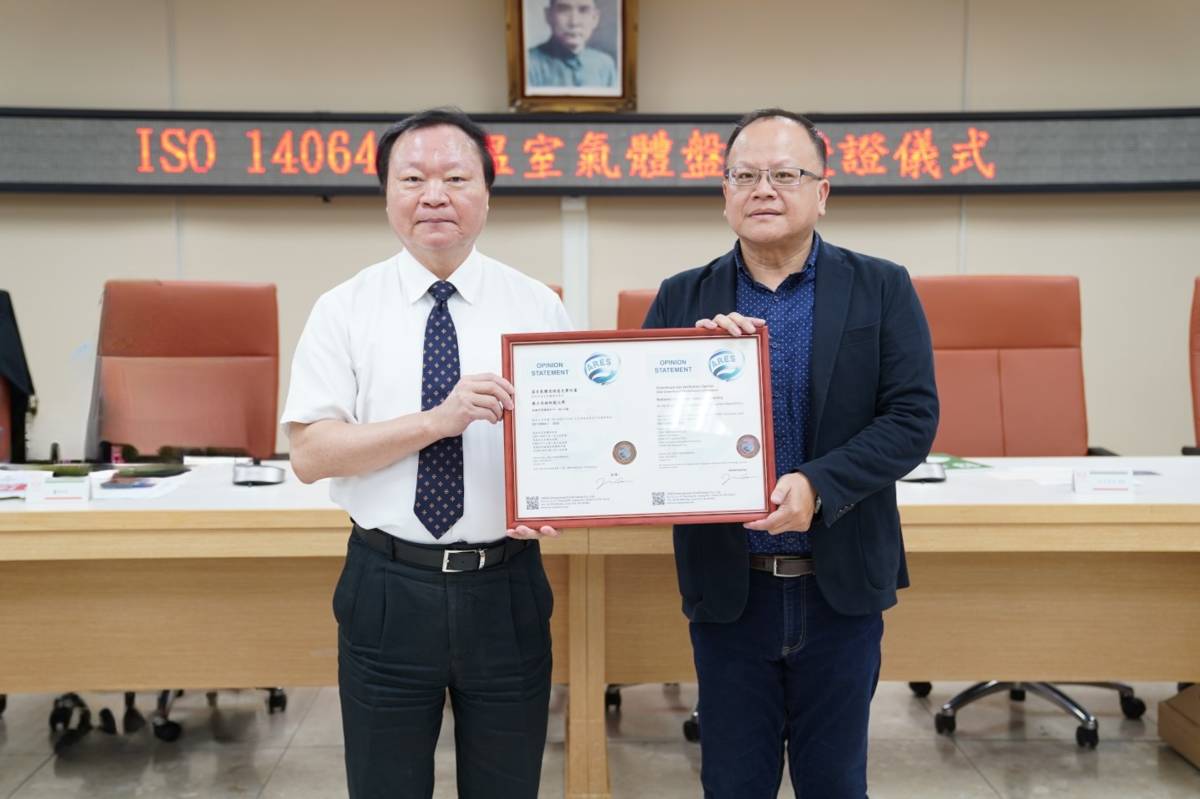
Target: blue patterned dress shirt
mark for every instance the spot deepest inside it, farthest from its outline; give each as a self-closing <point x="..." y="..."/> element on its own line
<point x="789" y="314"/>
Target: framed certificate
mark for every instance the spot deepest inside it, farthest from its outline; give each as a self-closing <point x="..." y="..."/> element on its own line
<point x="638" y="427"/>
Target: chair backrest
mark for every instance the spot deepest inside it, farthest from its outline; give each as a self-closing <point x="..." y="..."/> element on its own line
<point x="1195" y="348"/>
<point x="1009" y="364"/>
<point x="187" y="364"/>
<point x="632" y="305"/>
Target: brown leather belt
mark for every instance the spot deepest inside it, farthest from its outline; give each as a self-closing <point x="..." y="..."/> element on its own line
<point x="783" y="565"/>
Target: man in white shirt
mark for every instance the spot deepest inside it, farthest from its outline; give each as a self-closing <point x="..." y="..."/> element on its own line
<point x="395" y="395"/>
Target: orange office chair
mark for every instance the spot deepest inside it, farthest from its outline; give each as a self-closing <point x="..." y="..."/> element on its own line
<point x="179" y="366"/>
<point x="1009" y="371"/>
<point x="557" y="289"/>
<point x="186" y="365"/>
<point x="632" y="305"/>
<point x="1195" y="353"/>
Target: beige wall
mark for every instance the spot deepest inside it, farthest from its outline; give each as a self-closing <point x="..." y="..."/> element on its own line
<point x="1135" y="254"/>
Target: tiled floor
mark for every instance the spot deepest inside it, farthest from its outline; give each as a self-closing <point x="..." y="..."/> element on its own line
<point x="1001" y="749"/>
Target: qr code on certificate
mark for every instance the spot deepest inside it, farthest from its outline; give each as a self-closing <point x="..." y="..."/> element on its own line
<point x="531" y="503"/>
<point x="658" y="498"/>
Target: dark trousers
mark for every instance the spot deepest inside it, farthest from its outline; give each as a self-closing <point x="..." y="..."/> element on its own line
<point x="407" y="635"/>
<point x="790" y="672"/>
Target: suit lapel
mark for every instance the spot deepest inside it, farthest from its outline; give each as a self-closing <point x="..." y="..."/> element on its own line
<point x="718" y="291"/>
<point x="834" y="282"/>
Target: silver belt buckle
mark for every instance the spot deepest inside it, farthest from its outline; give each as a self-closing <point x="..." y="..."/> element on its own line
<point x="776" y="560"/>
<point x="482" y="553"/>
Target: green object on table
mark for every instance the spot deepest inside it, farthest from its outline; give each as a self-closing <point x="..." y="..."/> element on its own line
<point x="949" y="462"/>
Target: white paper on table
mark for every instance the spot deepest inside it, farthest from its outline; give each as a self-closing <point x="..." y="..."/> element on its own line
<point x="15" y="484"/>
<point x="1042" y="475"/>
<point x="209" y="460"/>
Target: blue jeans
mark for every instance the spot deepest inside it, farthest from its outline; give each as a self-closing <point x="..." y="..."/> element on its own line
<point x="790" y="672"/>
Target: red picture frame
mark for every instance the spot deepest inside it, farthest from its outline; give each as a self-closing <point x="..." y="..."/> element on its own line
<point x="512" y="340"/>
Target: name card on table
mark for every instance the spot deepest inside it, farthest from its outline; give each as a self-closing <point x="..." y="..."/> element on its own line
<point x="1103" y="481"/>
<point x="60" y="490"/>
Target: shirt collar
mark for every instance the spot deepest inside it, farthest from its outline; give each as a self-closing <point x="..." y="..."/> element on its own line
<point x="415" y="279"/>
<point x="810" y="263"/>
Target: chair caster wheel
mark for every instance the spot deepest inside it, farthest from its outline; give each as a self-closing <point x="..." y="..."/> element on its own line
<point x="108" y="722"/>
<point x="944" y="724"/>
<point x="60" y="714"/>
<point x="59" y="717"/>
<point x="1016" y="694"/>
<point x="276" y="700"/>
<point x="3" y="703"/>
<point x="612" y="698"/>
<point x="1132" y="707"/>
<point x="1087" y="738"/>
<point x="168" y="731"/>
<point x="920" y="689"/>
<point x="70" y="738"/>
<point x="691" y="730"/>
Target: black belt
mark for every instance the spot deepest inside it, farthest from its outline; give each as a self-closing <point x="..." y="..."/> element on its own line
<point x="783" y="565"/>
<point x="450" y="559"/>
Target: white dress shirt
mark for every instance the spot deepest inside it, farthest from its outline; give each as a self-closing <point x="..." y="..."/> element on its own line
<point x="359" y="360"/>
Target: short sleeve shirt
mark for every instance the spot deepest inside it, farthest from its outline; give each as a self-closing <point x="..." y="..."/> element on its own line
<point x="359" y="360"/>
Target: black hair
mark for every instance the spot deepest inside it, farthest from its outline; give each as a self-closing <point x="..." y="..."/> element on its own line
<point x="768" y="113"/>
<point x="431" y="118"/>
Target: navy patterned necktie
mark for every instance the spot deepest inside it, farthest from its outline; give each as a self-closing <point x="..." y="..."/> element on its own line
<point x="439" y="499"/>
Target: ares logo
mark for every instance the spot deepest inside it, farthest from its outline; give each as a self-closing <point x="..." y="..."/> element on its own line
<point x="725" y="364"/>
<point x="602" y="368"/>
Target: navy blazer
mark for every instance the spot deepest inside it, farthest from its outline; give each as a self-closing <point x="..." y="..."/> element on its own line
<point x="874" y="413"/>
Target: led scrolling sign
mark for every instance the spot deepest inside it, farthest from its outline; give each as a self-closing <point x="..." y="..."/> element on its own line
<point x="43" y="150"/>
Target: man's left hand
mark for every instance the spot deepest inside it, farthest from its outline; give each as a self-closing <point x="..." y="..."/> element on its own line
<point x="521" y="531"/>
<point x="795" y="498"/>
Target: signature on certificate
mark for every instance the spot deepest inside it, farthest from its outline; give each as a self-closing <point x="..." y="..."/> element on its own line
<point x="611" y="481"/>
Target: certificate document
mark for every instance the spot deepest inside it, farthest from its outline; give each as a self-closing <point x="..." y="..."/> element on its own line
<point x="638" y="427"/>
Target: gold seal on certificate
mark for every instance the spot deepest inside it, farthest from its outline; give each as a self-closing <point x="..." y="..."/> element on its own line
<point x="638" y="427"/>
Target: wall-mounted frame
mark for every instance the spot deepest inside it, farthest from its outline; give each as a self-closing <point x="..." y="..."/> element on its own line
<point x="572" y="55"/>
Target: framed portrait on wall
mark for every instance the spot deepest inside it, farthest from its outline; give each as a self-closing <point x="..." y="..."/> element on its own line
<point x="572" y="55"/>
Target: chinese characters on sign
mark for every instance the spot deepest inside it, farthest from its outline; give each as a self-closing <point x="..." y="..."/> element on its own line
<point x="647" y="155"/>
<point x="651" y="155"/>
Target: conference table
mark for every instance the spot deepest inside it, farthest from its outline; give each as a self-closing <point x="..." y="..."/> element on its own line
<point x="1014" y="576"/>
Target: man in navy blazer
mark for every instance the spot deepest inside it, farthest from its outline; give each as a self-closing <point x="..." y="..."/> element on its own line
<point x="786" y="612"/>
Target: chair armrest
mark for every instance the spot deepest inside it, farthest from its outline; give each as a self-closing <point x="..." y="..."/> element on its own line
<point x="1101" y="451"/>
<point x="1191" y="451"/>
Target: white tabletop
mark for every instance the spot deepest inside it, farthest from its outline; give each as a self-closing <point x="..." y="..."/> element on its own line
<point x="1008" y="481"/>
<point x="1047" y="481"/>
<point x="208" y="486"/>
